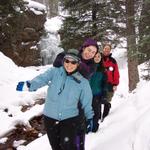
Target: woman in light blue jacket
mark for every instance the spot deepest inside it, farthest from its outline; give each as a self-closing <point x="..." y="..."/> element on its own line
<point x="66" y="88"/>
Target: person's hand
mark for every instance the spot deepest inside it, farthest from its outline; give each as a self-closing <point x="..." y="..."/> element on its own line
<point x="89" y="125"/>
<point x="23" y="86"/>
<point x="114" y="88"/>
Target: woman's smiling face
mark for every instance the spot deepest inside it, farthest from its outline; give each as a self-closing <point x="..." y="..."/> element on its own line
<point x="97" y="58"/>
<point x="106" y="50"/>
<point x="89" y="52"/>
<point x="70" y="65"/>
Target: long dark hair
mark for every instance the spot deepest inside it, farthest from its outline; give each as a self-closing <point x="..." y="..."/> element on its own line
<point x="100" y="67"/>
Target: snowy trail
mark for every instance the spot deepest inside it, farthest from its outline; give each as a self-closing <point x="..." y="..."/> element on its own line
<point x="127" y="127"/>
<point x="142" y="136"/>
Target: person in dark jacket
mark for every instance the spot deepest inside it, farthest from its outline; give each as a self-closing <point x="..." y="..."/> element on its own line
<point x="87" y="52"/>
<point x="87" y="67"/>
<point x="98" y="83"/>
<point x="66" y="87"/>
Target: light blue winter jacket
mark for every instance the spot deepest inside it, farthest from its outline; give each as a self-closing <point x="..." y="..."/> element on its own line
<point x="63" y="94"/>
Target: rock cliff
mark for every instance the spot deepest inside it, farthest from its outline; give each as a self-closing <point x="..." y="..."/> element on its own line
<point x="20" y="35"/>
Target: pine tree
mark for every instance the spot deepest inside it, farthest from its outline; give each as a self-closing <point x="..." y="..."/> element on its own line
<point x="144" y="32"/>
<point x="10" y="7"/>
<point x="92" y="18"/>
<point x="144" y="37"/>
<point x="10" y="12"/>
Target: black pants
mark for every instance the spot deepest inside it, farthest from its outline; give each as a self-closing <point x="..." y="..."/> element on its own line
<point x="62" y="134"/>
<point x="81" y="130"/>
<point x="107" y="106"/>
<point x="96" y="108"/>
<point x="97" y="104"/>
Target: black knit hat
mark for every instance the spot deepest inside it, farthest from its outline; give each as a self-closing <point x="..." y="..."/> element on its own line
<point x="73" y="54"/>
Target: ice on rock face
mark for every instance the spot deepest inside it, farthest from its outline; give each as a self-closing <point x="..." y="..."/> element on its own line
<point x="49" y="43"/>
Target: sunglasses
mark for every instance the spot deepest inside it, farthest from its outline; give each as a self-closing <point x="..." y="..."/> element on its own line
<point x="72" y="62"/>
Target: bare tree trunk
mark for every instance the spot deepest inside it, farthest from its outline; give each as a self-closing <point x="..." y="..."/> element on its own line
<point x="131" y="46"/>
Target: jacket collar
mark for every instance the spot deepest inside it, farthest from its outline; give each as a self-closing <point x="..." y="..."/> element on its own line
<point x="76" y="76"/>
<point x="107" y="57"/>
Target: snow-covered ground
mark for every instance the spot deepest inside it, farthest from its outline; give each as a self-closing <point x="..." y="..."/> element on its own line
<point x="126" y="127"/>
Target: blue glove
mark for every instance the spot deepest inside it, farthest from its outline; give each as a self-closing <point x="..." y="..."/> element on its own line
<point x="23" y="86"/>
<point x="89" y="125"/>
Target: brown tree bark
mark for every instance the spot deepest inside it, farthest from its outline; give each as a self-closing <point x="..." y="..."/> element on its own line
<point x="131" y="46"/>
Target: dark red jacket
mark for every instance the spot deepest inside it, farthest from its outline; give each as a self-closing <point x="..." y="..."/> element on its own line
<point x="111" y="68"/>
